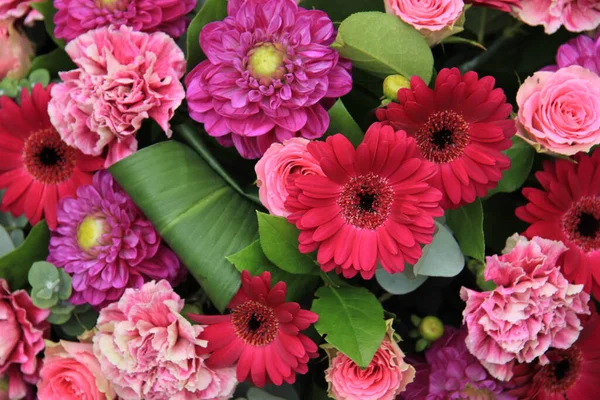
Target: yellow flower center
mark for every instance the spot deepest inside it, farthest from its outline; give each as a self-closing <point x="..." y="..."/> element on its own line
<point x="90" y="231"/>
<point x="112" y="4"/>
<point x="266" y="61"/>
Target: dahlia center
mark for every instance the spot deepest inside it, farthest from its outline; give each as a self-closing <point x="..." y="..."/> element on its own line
<point x="47" y="158"/>
<point x="112" y="4"/>
<point x="562" y="371"/>
<point x="581" y="224"/>
<point x="255" y="323"/>
<point x="472" y="392"/>
<point x="266" y="62"/>
<point x="90" y="232"/>
<point x="443" y="137"/>
<point x="366" y="201"/>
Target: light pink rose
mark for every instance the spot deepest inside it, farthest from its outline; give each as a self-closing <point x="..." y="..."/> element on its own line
<point x="23" y="327"/>
<point x="70" y="371"/>
<point x="123" y="77"/>
<point x="161" y="360"/>
<point x="560" y="111"/>
<point x="276" y="165"/>
<point x="15" y="9"/>
<point x="533" y="308"/>
<point x="16" y="51"/>
<point x="575" y="15"/>
<point x="386" y="376"/>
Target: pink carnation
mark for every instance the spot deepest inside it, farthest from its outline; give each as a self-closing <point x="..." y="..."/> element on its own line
<point x="575" y="15"/>
<point x="161" y="360"/>
<point x="73" y="16"/>
<point x="15" y="9"/>
<point x="270" y="75"/>
<point x="123" y="77"/>
<point x="386" y="376"/>
<point x="533" y="308"/>
<point x="560" y="111"/>
<point x="23" y="328"/>
<point x="432" y="15"/>
<point x="273" y="169"/>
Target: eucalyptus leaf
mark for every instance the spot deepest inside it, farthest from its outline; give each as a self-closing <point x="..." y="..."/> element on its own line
<point x="58" y="319"/>
<point x="6" y="243"/>
<point x="352" y="320"/>
<point x="340" y="121"/>
<point x="42" y="273"/>
<point x="399" y="283"/>
<point x="467" y="224"/>
<point x="17" y="236"/>
<point x="442" y="257"/>
<point x="212" y="10"/>
<point x="197" y="213"/>
<point x="39" y="75"/>
<point x="64" y="288"/>
<point x="384" y="45"/>
<point x="43" y="297"/>
<point x="46" y="8"/>
<point x="521" y="156"/>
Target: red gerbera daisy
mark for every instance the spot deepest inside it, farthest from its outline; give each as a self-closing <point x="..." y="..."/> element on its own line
<point x="36" y="167"/>
<point x="568" y="209"/>
<point x="373" y="204"/>
<point x="261" y="334"/>
<point x="461" y="128"/>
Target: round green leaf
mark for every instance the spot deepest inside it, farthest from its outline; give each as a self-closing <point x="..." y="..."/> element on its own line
<point x="58" y="319"/>
<point x="442" y="257"/>
<point x="42" y="273"/>
<point x="64" y="288"/>
<point x="6" y="243"/>
<point x="39" y="76"/>
<point x="399" y="283"/>
<point x="63" y="307"/>
<point x="43" y="297"/>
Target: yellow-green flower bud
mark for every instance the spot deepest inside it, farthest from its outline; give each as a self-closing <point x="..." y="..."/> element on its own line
<point x="392" y="84"/>
<point x="431" y="328"/>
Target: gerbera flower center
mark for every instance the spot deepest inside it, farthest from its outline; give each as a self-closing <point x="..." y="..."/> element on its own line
<point x="443" y="137"/>
<point x="562" y="371"/>
<point x="266" y="62"/>
<point x="90" y="232"/>
<point x="47" y="158"/>
<point x="581" y="224"/>
<point x="255" y="323"/>
<point x="366" y="201"/>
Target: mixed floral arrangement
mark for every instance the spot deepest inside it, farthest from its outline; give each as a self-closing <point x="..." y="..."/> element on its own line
<point x="282" y="199"/>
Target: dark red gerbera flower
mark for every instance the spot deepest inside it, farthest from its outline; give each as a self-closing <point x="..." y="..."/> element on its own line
<point x="568" y="209"/>
<point x="502" y="5"/>
<point x="36" y="167"/>
<point x="374" y="204"/>
<point x="461" y="128"/>
<point x="261" y="334"/>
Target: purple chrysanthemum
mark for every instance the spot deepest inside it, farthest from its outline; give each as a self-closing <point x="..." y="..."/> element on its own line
<point x="582" y="50"/>
<point x="270" y="75"/>
<point x="451" y="372"/>
<point x="76" y="17"/>
<point x="107" y="245"/>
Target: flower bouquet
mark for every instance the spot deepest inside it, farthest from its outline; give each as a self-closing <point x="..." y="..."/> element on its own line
<point x="312" y="199"/>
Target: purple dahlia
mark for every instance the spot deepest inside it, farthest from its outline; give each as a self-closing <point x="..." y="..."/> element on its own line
<point x="270" y="75"/>
<point x="582" y="50"/>
<point x="76" y="17"/>
<point x="107" y="245"/>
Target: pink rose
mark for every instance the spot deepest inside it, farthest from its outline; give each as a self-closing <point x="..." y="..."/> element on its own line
<point x="161" y="360"/>
<point x="575" y="15"/>
<point x="273" y="169"/>
<point x="533" y="308"/>
<point x="560" y="111"/>
<point x="15" y="9"/>
<point x="70" y="371"/>
<point x="386" y="376"/>
<point x="16" y="52"/>
<point x="23" y="327"/>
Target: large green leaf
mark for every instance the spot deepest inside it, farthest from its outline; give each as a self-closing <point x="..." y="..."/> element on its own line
<point x="54" y="62"/>
<point x="342" y="122"/>
<point x="46" y="8"/>
<point x="400" y="283"/>
<point x="352" y="319"/>
<point x="338" y="10"/>
<point x="384" y="45"/>
<point x="442" y="257"/>
<point x="467" y="225"/>
<point x="212" y="10"/>
<point x="15" y="265"/>
<point x="198" y="214"/>
<point x="279" y="241"/>
<point x="253" y="260"/>
<point x="521" y="157"/>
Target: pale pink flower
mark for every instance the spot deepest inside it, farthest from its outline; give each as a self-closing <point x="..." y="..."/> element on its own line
<point x="276" y="165"/>
<point x="16" y="51"/>
<point x="123" y="77"/>
<point x="161" y="359"/>
<point x="560" y="111"/>
<point x="15" y="9"/>
<point x="574" y="15"/>
<point x="386" y="376"/>
<point x="533" y="308"/>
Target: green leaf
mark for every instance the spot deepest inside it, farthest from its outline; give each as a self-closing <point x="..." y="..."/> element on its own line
<point x="17" y="236"/>
<point x="39" y="75"/>
<point x="15" y="265"/>
<point x="259" y="394"/>
<point x="64" y="288"/>
<point x="254" y="261"/>
<point x="63" y="307"/>
<point x="58" y="319"/>
<point x="279" y="241"/>
<point x="442" y="257"/>
<point x="352" y="319"/>
<point x="338" y="10"/>
<point x="41" y="273"/>
<point x="196" y="212"/>
<point x="212" y="10"/>
<point x="9" y="87"/>
<point x="43" y="298"/>
<point x="521" y="157"/>
<point x="384" y="45"/>
<point x="467" y="225"/>
<point x="47" y="9"/>
<point x="399" y="283"/>
<point x="6" y="243"/>
<point x="54" y="62"/>
<point x="81" y="320"/>
<point x="342" y="122"/>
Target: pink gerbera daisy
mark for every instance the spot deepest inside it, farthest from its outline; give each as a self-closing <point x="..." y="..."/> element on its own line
<point x="374" y="204"/>
<point x="36" y="167"/>
<point x="461" y="127"/>
<point x="261" y="334"/>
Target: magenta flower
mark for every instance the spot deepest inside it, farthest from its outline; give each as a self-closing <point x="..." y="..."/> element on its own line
<point x="582" y="50"/>
<point x="107" y="245"/>
<point x="270" y="75"/>
<point x="76" y="17"/>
